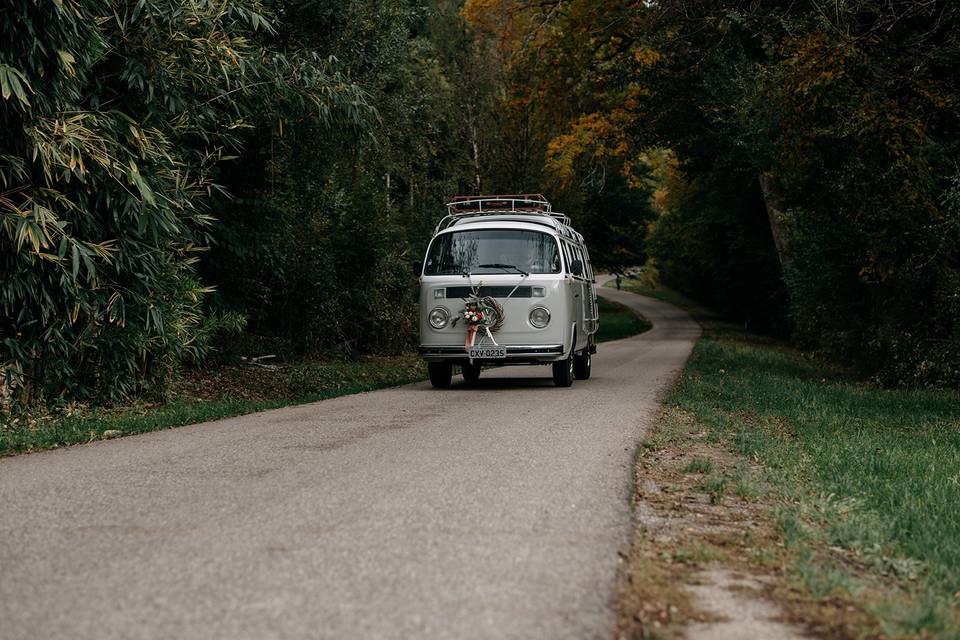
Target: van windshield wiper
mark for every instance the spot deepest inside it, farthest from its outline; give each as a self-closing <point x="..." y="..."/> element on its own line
<point x="505" y="267"/>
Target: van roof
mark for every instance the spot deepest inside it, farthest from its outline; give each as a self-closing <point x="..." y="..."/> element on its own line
<point x="513" y="221"/>
<point x="527" y="208"/>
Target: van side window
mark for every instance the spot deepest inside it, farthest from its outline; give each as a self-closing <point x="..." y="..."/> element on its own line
<point x="567" y="255"/>
<point x="578" y="255"/>
<point x="589" y="267"/>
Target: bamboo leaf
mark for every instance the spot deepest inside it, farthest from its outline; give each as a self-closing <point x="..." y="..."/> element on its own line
<point x="13" y="83"/>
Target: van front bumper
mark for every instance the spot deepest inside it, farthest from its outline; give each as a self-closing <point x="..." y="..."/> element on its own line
<point x="526" y="353"/>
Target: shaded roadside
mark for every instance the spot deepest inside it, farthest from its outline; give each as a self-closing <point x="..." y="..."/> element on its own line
<point x="799" y="495"/>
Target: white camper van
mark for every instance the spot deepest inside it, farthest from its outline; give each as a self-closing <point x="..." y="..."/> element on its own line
<point x="507" y="281"/>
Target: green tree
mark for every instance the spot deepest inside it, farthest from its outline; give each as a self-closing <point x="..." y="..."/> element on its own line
<point x="320" y="245"/>
<point x="838" y="126"/>
<point x="115" y="115"/>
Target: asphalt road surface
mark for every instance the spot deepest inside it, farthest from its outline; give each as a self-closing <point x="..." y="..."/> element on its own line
<point x="493" y="511"/>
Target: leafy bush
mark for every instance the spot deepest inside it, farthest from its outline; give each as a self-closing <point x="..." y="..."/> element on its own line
<point x="114" y="115"/>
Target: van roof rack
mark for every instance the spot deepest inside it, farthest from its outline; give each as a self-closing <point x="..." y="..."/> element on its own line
<point x="523" y="204"/>
<point x="513" y="203"/>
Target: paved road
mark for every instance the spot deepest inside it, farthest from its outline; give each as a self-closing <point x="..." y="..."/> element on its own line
<point x="487" y="512"/>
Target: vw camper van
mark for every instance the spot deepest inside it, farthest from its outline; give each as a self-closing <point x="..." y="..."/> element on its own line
<point x="507" y="281"/>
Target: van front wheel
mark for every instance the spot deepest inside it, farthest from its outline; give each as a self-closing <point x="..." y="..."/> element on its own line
<point x="563" y="373"/>
<point x="441" y="374"/>
<point x="583" y="364"/>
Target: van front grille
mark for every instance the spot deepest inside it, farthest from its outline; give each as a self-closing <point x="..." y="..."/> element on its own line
<point x="493" y="292"/>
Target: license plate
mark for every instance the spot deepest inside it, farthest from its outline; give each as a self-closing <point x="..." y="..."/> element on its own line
<point x="487" y="353"/>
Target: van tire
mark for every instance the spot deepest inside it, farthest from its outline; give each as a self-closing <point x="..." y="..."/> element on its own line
<point x="563" y="372"/>
<point x="471" y="372"/>
<point x="441" y="374"/>
<point x="583" y="364"/>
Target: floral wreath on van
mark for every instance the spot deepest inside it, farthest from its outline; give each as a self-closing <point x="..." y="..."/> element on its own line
<point x="481" y="313"/>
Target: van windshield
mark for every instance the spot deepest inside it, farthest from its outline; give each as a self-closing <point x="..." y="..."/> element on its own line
<point x="465" y="251"/>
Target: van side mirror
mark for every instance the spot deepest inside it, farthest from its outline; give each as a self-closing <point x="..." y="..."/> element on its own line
<point x="576" y="268"/>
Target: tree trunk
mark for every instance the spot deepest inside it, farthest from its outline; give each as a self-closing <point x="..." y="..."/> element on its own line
<point x="472" y="124"/>
<point x="774" y="202"/>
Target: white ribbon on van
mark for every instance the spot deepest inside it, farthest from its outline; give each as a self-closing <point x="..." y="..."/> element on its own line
<point x="472" y="334"/>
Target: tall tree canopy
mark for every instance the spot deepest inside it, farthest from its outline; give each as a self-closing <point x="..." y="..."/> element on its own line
<point x="832" y="125"/>
<point x="320" y="245"/>
<point x="173" y="171"/>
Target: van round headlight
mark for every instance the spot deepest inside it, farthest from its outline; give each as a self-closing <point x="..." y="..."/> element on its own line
<point x="539" y="317"/>
<point x="439" y="318"/>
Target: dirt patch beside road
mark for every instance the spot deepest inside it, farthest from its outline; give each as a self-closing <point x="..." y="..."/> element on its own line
<point x="708" y="562"/>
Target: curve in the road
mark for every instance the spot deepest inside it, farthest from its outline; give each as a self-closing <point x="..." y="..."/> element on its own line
<point x="493" y="511"/>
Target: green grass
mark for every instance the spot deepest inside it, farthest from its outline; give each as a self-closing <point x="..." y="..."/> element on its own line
<point x="869" y="470"/>
<point x="716" y="487"/>
<point x="694" y="554"/>
<point x="617" y="321"/>
<point x="699" y="465"/>
<point x="212" y="395"/>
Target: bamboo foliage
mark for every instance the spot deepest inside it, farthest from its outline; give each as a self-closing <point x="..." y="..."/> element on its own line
<point x="115" y="116"/>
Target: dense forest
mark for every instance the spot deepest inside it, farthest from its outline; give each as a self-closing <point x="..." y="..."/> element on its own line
<point x="185" y="180"/>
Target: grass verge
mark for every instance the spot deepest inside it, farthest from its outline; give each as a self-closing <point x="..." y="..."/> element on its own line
<point x="211" y="395"/>
<point x="617" y="321"/>
<point x="844" y="494"/>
